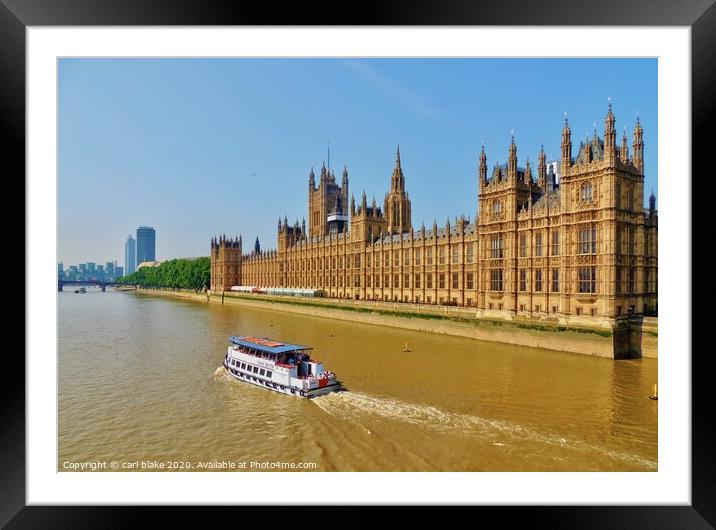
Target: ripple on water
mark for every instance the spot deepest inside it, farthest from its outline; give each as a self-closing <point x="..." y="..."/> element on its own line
<point x="347" y="405"/>
<point x="148" y="383"/>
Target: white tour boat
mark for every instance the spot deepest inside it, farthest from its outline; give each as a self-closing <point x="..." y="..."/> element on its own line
<point x="278" y="366"/>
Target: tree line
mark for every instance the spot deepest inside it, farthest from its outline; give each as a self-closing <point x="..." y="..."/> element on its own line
<point x="174" y="274"/>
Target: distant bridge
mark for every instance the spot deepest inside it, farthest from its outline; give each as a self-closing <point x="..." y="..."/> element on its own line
<point x="103" y="285"/>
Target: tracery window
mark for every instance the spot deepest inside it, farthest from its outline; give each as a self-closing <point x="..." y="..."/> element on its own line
<point x="555" y="243"/>
<point x="497" y="247"/>
<point x="588" y="240"/>
<point x="587" y="277"/>
<point x="496" y="279"/>
<point x="585" y="193"/>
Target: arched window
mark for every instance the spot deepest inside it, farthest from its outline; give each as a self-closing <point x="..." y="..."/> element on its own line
<point x="496" y="207"/>
<point x="586" y="192"/>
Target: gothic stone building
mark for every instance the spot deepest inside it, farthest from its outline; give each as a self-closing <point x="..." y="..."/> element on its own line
<point x="582" y="249"/>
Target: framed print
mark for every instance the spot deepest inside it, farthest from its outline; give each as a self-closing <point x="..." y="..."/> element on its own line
<point x="460" y="296"/>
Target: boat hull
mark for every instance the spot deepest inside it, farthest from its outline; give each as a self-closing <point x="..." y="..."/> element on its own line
<point x="281" y="389"/>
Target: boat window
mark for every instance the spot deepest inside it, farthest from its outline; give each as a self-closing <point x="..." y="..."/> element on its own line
<point x="261" y="372"/>
<point x="256" y="370"/>
<point x="268" y="373"/>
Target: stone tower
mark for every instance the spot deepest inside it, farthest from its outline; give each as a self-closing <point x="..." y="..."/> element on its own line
<point x="397" y="202"/>
<point x="226" y="263"/>
<point x="367" y="222"/>
<point x="327" y="200"/>
<point x="500" y="200"/>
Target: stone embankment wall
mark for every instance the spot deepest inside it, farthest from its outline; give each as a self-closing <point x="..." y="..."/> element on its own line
<point x="548" y="333"/>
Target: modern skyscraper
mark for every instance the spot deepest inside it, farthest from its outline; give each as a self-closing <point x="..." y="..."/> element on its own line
<point x="146" y="244"/>
<point x="130" y="255"/>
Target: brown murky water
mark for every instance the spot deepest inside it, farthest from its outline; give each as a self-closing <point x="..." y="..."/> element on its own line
<point x="140" y="380"/>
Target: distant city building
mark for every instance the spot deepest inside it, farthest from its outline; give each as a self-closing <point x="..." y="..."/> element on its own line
<point x="60" y="270"/>
<point x="130" y="255"/>
<point x="118" y="271"/>
<point x="149" y="264"/>
<point x="553" y="169"/>
<point x="109" y="267"/>
<point x="146" y="244"/>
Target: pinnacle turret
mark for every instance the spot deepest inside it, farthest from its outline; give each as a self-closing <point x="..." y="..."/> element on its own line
<point x="566" y="145"/>
<point x="638" y="146"/>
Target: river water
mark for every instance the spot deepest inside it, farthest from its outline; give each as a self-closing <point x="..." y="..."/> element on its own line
<point x="141" y="380"/>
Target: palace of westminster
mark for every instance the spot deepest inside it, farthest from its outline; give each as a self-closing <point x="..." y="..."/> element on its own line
<point x="571" y="240"/>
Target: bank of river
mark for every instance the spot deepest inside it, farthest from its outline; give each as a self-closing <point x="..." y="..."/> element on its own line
<point x="455" y="321"/>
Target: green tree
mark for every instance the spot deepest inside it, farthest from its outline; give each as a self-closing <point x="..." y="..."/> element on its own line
<point x="173" y="274"/>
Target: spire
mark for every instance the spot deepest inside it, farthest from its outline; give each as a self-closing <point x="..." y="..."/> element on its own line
<point x="257" y="246"/>
<point x="528" y="172"/>
<point x="542" y="170"/>
<point x="512" y="159"/>
<point x="638" y="146"/>
<point x="353" y="205"/>
<point x="610" y="136"/>
<point x="364" y="203"/>
<point x="566" y="145"/>
<point x="345" y="173"/>
<point x="483" y="166"/>
<point x="624" y="153"/>
<point x="397" y="180"/>
<point x="652" y="201"/>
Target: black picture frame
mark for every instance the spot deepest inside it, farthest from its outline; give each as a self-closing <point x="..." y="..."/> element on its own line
<point x="699" y="15"/>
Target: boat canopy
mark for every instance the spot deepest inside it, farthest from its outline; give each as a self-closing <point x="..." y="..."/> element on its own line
<point x="266" y="345"/>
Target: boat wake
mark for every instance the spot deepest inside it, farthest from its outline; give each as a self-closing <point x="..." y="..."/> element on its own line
<point x="499" y="433"/>
<point x="221" y="375"/>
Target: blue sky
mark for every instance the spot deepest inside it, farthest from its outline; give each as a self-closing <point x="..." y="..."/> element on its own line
<point x="198" y="147"/>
